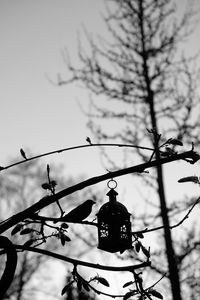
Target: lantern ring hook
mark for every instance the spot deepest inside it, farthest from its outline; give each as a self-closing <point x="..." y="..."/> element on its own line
<point x="112" y="184"/>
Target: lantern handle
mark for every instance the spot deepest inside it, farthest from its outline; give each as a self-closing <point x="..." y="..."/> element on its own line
<point x="112" y="184"/>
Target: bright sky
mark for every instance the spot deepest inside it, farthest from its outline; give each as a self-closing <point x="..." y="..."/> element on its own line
<point x="36" y="114"/>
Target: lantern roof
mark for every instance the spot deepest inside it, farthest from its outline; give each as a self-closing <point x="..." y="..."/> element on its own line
<point x="113" y="207"/>
<point x="116" y="207"/>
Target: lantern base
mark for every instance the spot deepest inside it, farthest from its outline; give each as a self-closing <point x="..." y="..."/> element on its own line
<point x="114" y="247"/>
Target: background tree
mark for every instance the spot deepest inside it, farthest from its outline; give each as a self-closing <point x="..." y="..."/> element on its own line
<point x="35" y="219"/>
<point x="142" y="78"/>
<point x="19" y="189"/>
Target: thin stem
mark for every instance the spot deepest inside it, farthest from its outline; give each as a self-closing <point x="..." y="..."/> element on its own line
<point x="172" y="226"/>
<point x="83" y="263"/>
<point x="189" y="156"/>
<point x="73" y="148"/>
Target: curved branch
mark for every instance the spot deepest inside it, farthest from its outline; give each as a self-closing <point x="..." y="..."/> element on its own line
<point x="10" y="266"/>
<point x="189" y="156"/>
<point x="47" y="219"/>
<point x="172" y="226"/>
<point x="82" y="263"/>
<point x="72" y="148"/>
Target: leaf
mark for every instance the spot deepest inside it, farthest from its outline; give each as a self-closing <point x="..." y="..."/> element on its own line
<point x="140" y="235"/>
<point x="64" y="225"/>
<point x="193" y="179"/>
<point x="146" y="252"/>
<point x="88" y="140"/>
<point x="156" y="294"/>
<point x="67" y="239"/>
<point x="16" y="229"/>
<point x="62" y="239"/>
<point x="53" y="183"/>
<point x="29" y="242"/>
<point x="46" y="186"/>
<point x="23" y="154"/>
<point x="128" y="283"/>
<point x="79" y="285"/>
<point x="137" y="247"/>
<point x="66" y="287"/>
<point x="175" y="142"/>
<point x="26" y="231"/>
<point x="86" y="286"/>
<point x="102" y="281"/>
<point x="129" y="294"/>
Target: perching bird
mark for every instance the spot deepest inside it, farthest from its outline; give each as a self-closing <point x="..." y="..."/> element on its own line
<point x="79" y="213"/>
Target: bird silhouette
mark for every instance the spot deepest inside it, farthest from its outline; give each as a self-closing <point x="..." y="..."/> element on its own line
<point x="79" y="213"/>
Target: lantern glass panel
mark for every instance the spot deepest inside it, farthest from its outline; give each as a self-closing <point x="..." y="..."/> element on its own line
<point x="104" y="230"/>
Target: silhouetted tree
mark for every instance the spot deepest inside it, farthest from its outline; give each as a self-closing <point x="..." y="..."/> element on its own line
<point x="18" y="190"/>
<point x="141" y="78"/>
<point x="35" y="222"/>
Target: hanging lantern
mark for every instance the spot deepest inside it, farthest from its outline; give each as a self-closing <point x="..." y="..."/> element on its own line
<point x="114" y="226"/>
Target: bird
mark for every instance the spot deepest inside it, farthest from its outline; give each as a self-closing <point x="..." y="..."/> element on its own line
<point x="79" y="213"/>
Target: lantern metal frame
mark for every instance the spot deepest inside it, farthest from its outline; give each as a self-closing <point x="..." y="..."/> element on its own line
<point x="114" y="226"/>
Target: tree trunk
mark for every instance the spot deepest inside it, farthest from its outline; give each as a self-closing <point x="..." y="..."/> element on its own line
<point x="171" y="257"/>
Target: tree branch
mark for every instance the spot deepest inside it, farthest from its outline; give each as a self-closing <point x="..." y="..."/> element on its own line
<point x="82" y="263"/>
<point x="172" y="226"/>
<point x="189" y="156"/>
<point x="72" y="148"/>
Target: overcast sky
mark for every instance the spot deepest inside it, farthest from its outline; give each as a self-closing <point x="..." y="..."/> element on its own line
<point x="34" y="113"/>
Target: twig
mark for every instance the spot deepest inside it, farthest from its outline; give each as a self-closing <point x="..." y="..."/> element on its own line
<point x="47" y="219"/>
<point x="83" y="263"/>
<point x="172" y="226"/>
<point x="73" y="148"/>
<point x="47" y="200"/>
